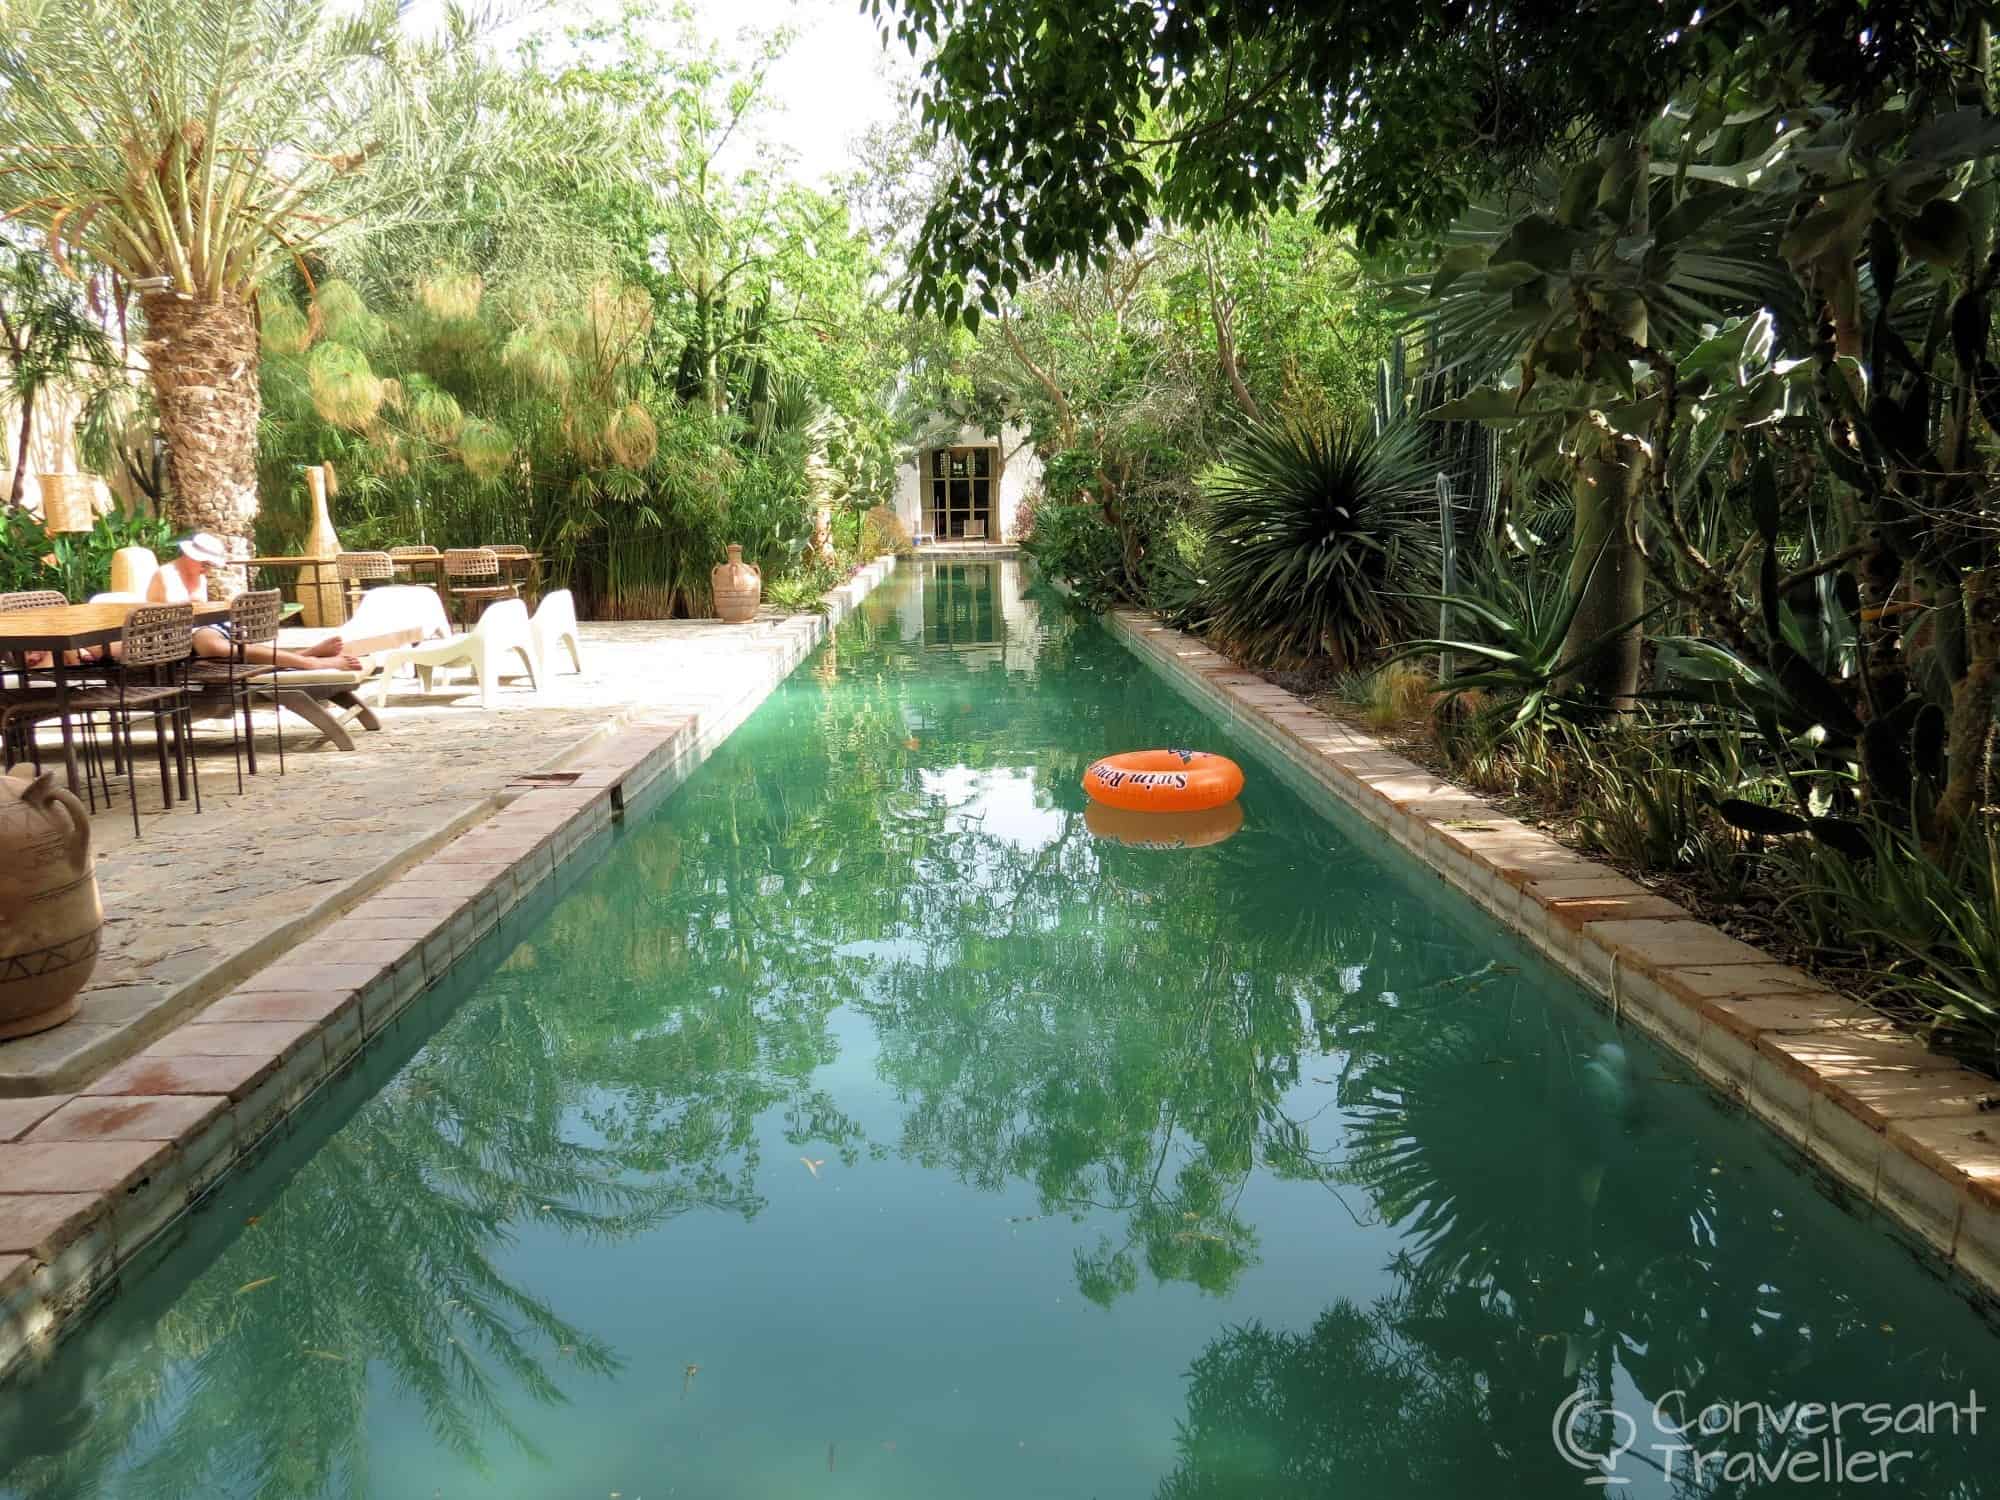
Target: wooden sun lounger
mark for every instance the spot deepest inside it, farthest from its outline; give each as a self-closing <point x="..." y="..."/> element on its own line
<point x="328" y="699"/>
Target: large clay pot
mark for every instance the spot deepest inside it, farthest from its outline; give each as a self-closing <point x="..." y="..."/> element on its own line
<point x="738" y="587"/>
<point x="50" y="918"/>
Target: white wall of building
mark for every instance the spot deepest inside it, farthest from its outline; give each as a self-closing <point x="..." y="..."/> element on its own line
<point x="1020" y="475"/>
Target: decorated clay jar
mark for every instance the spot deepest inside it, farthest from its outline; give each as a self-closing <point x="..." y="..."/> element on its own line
<point x="738" y="586"/>
<point x="50" y="919"/>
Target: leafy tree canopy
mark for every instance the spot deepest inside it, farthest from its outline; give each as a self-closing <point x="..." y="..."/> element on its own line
<point x="1080" y="126"/>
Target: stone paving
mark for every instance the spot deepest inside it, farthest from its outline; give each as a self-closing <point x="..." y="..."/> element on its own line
<point x="196" y="902"/>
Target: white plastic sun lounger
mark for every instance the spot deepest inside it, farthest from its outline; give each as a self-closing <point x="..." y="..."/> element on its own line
<point x="504" y="628"/>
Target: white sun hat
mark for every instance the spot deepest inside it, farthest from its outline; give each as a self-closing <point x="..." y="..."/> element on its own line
<point x="206" y="547"/>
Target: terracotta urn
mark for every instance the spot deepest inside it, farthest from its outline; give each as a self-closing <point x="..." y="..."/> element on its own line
<point x="50" y="918"/>
<point x="738" y="587"/>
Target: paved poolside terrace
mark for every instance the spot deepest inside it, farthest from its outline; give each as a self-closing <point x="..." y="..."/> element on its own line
<point x="197" y="902"/>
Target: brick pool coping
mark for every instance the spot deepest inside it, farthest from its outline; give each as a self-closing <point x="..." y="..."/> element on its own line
<point x="1906" y="1131"/>
<point x="90" y="1178"/>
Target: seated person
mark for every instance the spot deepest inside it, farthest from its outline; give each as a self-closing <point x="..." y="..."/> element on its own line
<point x="185" y="581"/>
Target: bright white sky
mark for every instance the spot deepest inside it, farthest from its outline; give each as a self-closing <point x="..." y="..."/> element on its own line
<point x="833" y="83"/>
<point x="836" y="81"/>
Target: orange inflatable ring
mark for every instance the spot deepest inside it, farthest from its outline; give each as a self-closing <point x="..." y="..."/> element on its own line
<point x="1135" y="830"/>
<point x="1164" y="780"/>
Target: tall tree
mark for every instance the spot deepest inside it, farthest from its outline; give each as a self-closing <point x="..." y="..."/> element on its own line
<point x="1079" y="125"/>
<point x="189" y="149"/>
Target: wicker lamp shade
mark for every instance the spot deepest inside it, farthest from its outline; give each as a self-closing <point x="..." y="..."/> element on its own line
<point x="66" y="502"/>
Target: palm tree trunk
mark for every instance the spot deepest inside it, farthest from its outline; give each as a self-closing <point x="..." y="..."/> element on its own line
<point x="202" y="357"/>
<point x="1608" y="572"/>
<point x="17" y="351"/>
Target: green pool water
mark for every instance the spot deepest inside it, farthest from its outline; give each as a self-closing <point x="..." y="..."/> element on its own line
<point x="860" y="1124"/>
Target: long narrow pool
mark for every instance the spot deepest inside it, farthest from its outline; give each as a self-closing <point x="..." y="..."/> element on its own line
<point x="861" y="1124"/>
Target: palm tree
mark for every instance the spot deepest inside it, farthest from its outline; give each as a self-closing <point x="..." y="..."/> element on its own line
<point x="191" y="149"/>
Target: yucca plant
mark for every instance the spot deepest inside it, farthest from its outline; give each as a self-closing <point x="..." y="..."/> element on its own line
<point x="1317" y="539"/>
<point x="190" y="147"/>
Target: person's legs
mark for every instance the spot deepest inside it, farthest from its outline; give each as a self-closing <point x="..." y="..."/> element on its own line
<point x="320" y="656"/>
<point x="264" y="653"/>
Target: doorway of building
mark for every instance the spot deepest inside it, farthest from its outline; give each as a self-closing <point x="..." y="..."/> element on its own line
<point x="961" y="501"/>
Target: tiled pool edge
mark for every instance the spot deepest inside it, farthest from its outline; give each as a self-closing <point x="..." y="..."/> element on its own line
<point x="1900" y="1127"/>
<point x="88" y="1181"/>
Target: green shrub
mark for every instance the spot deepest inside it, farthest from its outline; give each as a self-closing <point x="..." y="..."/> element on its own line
<point x="79" y="564"/>
<point x="1317" y="540"/>
<point x="806" y="586"/>
<point x="1073" y="543"/>
<point x="23" y="545"/>
<point x="882" y="531"/>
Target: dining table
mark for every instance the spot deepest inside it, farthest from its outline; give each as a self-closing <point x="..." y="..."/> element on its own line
<point x="315" y="585"/>
<point x="521" y="568"/>
<point x="64" y="629"/>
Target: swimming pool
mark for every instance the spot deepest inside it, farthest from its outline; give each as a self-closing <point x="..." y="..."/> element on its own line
<point x="860" y="1124"/>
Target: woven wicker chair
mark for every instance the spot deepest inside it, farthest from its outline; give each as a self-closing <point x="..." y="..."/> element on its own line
<point x="472" y="576"/>
<point x="32" y="599"/>
<point x="517" y="568"/>
<point x="28" y="599"/>
<point x="254" y="618"/>
<point x="153" y="655"/>
<point x="358" y="569"/>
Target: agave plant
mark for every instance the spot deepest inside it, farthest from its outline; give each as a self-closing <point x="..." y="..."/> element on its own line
<point x="1317" y="537"/>
<point x="1524" y="655"/>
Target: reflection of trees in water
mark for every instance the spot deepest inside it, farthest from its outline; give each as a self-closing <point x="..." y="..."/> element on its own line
<point x="608" y="1077"/>
<point x="1554" y="1234"/>
<point x="382" y="1251"/>
<point x="1127" y="1032"/>
<point x="1120" y="1028"/>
